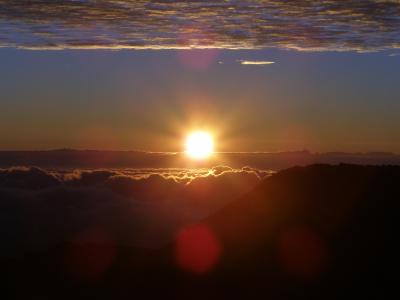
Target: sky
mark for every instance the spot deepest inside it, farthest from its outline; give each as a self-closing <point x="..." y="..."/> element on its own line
<point x="260" y="75"/>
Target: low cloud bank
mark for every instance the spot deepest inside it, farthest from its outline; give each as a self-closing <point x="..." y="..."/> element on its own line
<point x="42" y="208"/>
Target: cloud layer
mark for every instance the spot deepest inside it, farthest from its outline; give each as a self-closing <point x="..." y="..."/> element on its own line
<point x="302" y="24"/>
<point x="256" y="62"/>
<point x="43" y="208"/>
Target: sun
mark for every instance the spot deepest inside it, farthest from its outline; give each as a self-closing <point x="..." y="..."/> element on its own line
<point x="199" y="145"/>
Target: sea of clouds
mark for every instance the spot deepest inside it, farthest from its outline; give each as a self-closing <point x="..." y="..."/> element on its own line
<point x="42" y="208"/>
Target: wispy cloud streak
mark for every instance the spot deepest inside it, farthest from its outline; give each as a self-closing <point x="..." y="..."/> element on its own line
<point x="256" y="62"/>
<point x="110" y="24"/>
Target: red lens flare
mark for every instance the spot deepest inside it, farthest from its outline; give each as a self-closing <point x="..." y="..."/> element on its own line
<point x="197" y="249"/>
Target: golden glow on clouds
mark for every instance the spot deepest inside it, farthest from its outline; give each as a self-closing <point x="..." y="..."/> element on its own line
<point x="256" y="62"/>
<point x="199" y="145"/>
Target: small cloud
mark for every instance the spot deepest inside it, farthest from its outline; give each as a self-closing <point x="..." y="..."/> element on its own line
<point x="394" y="54"/>
<point x="256" y="62"/>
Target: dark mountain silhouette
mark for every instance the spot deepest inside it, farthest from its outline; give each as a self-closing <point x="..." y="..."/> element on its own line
<point x="316" y="232"/>
<point x="319" y="231"/>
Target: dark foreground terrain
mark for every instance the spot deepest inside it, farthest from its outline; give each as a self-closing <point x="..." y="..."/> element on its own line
<point x="316" y="232"/>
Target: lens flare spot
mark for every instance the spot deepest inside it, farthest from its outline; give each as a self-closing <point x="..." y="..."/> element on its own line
<point x="197" y="249"/>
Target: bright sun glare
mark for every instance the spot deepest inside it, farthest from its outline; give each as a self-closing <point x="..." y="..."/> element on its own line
<point x="199" y="145"/>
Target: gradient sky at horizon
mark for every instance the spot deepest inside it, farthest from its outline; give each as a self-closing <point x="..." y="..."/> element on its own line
<point x="146" y="99"/>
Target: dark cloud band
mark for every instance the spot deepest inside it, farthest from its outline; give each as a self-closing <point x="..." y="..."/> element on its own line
<point x="362" y="25"/>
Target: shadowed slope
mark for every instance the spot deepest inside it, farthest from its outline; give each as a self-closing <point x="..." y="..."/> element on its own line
<point x="319" y="230"/>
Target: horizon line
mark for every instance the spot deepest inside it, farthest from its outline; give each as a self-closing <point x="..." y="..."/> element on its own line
<point x="215" y="152"/>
